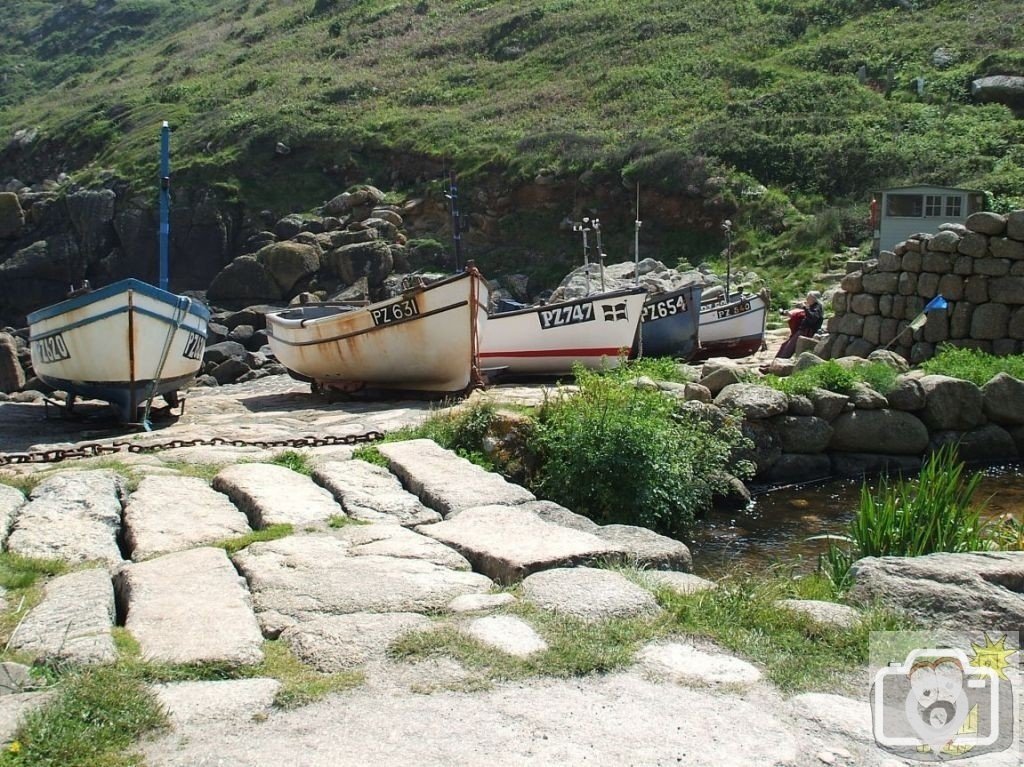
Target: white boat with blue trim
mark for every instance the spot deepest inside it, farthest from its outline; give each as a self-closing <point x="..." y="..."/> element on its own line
<point x="124" y="343"/>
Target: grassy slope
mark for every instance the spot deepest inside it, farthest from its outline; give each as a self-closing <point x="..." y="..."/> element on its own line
<point x="669" y="92"/>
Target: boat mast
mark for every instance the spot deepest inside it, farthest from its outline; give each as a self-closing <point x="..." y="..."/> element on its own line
<point x="453" y="198"/>
<point x="636" y="238"/>
<point x="584" y="226"/>
<point x="600" y="250"/>
<point x="727" y="228"/>
<point x="165" y="202"/>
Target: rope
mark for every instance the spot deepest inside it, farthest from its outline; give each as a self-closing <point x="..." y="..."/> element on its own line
<point x="181" y="312"/>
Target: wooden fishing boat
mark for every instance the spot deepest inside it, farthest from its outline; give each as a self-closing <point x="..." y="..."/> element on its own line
<point x="735" y="329"/>
<point x="426" y="339"/>
<point x="124" y="343"/>
<point x="707" y="304"/>
<point x="594" y="331"/>
<point x="669" y="324"/>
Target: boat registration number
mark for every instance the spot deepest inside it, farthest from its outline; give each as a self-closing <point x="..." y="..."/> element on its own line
<point x="561" y="316"/>
<point x="402" y="310"/>
<point x="667" y="307"/>
<point x="194" y="346"/>
<point x="52" y="349"/>
<point x="732" y="311"/>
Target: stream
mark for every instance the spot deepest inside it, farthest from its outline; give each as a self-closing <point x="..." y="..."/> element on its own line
<point x="775" y="526"/>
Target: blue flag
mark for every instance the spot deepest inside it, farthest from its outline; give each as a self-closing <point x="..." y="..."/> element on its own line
<point x="936" y="303"/>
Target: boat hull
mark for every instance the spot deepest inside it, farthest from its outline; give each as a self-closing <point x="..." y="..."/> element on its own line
<point x="596" y="331"/>
<point x="735" y="329"/>
<point x="669" y="325"/>
<point x="427" y="339"/>
<point x="123" y="343"/>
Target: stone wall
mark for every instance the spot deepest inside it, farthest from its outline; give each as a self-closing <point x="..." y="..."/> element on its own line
<point x="978" y="268"/>
<point x="797" y="438"/>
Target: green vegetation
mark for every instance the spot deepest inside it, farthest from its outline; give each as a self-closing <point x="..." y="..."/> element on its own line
<point x="97" y="717"/>
<point x="740" y="615"/>
<point x="834" y="377"/>
<point x="796" y="653"/>
<point x="271" y="533"/>
<point x="973" y="365"/>
<point x="618" y="453"/>
<point x="293" y="460"/>
<point x="370" y="454"/>
<point x="758" y="114"/>
<point x="911" y="518"/>
<point x="339" y="521"/>
<point x="20" y="577"/>
<point x="575" y="647"/>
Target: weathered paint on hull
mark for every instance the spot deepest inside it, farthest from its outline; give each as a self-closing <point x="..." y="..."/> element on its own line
<point x="733" y="330"/>
<point x="548" y="340"/>
<point x="427" y="339"/>
<point x="110" y="343"/>
<point x="670" y="324"/>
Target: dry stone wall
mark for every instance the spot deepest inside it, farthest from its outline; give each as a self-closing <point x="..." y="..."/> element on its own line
<point x="978" y="268"/>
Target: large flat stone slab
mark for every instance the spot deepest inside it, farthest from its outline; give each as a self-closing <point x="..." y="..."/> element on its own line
<point x="190" y="607"/>
<point x="447" y="483"/>
<point x="394" y="541"/>
<point x="588" y="594"/>
<point x="341" y="642"/>
<point x="11" y="499"/>
<point x="74" y="516"/>
<point x="641" y="547"/>
<point x="302" y="578"/>
<point x="73" y="622"/>
<point x="14" y="708"/>
<point x="683" y="584"/>
<point x="203" y="703"/>
<point x="372" y="493"/>
<point x="168" y="514"/>
<point x="275" y="495"/>
<point x="955" y="590"/>
<point x="507" y="543"/>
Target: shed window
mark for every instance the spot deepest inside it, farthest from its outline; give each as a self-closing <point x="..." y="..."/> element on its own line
<point x="904" y="205"/>
<point x="933" y="205"/>
<point x="954" y="207"/>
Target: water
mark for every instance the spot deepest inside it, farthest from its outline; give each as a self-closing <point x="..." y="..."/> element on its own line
<point x="775" y="526"/>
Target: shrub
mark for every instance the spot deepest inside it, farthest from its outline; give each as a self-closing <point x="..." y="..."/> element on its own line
<point x="829" y="375"/>
<point x="911" y="518"/>
<point x="973" y="365"/>
<point x="617" y="453"/>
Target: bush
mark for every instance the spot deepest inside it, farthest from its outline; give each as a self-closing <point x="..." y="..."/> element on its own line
<point x="617" y="453"/>
<point x="829" y="375"/>
<point x="912" y="518"/>
<point x="973" y="365"/>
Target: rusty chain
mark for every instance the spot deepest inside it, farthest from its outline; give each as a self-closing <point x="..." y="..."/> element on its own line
<point x="93" y="449"/>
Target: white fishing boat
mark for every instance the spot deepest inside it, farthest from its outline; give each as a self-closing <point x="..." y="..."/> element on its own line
<point x="734" y="329"/>
<point x="426" y="339"/>
<point x="124" y="343"/>
<point x="594" y="331"/>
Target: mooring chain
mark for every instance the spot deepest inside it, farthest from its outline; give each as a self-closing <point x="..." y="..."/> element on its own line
<point x="93" y="449"/>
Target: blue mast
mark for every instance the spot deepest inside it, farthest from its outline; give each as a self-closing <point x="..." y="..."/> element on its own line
<point x="165" y="201"/>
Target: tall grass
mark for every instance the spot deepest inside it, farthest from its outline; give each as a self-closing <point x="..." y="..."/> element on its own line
<point x="910" y="518"/>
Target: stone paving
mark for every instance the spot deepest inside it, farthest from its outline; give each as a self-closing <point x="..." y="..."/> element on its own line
<point x="374" y="554"/>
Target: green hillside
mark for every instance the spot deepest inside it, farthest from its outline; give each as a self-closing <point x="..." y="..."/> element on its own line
<point x="703" y="99"/>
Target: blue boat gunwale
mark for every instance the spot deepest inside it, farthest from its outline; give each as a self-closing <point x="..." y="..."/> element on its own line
<point x="138" y="286"/>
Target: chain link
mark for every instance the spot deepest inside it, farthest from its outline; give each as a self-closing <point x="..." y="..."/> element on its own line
<point x="93" y="449"/>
